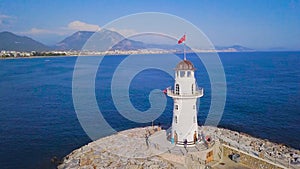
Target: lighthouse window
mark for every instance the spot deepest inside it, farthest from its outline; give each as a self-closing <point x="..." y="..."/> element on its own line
<point x="175" y="119"/>
<point x="182" y="73"/>
<point x="189" y="74"/>
<point x="192" y="88"/>
<point x="194" y="119"/>
<point x="194" y="107"/>
<point x="176" y="107"/>
<point x="177" y="89"/>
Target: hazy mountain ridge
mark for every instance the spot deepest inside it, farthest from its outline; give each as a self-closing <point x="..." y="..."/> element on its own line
<point x="238" y="48"/>
<point x="74" y="42"/>
<point x="108" y="40"/>
<point x="12" y="42"/>
<point x="105" y="40"/>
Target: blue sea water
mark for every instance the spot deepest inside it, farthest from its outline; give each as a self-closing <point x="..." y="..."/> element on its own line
<point x="38" y="120"/>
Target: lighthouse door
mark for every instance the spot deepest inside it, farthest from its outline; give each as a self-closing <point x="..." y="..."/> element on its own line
<point x="209" y="157"/>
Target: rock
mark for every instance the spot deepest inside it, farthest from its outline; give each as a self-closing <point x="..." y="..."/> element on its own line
<point x="62" y="166"/>
<point x="154" y="166"/>
<point x="132" y="166"/>
<point x="84" y="161"/>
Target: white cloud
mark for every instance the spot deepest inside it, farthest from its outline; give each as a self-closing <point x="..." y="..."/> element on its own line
<point x="71" y="27"/>
<point x="4" y="16"/>
<point x="6" y="20"/>
<point x="37" y="31"/>
<point x="82" y="26"/>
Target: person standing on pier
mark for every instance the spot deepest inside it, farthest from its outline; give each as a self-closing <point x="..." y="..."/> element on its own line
<point x="147" y="140"/>
<point x="185" y="144"/>
<point x="195" y="137"/>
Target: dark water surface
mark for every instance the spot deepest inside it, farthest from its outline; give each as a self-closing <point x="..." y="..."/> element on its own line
<point x="38" y="120"/>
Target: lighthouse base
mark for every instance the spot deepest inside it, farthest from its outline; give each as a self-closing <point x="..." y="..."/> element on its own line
<point x="187" y="141"/>
<point x="197" y="154"/>
<point x="189" y="144"/>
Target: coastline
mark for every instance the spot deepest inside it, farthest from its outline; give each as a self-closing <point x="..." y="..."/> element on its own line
<point x="135" y="53"/>
<point x="117" y="150"/>
<point x="33" y="57"/>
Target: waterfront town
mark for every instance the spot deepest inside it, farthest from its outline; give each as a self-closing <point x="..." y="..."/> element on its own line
<point x="17" y="54"/>
<point x="20" y="54"/>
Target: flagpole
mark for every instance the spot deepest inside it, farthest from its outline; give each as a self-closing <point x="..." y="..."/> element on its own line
<point x="184" y="56"/>
<point x="182" y="40"/>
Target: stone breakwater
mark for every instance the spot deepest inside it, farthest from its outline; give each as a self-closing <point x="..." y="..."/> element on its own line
<point x="132" y="149"/>
<point x="274" y="152"/>
<point x="126" y="149"/>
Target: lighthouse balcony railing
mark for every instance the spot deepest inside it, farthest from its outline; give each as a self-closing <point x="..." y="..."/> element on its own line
<point x="197" y="93"/>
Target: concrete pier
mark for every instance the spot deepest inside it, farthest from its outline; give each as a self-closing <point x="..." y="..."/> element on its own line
<point x="149" y="148"/>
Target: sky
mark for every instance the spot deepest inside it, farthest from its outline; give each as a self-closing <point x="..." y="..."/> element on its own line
<point x="257" y="24"/>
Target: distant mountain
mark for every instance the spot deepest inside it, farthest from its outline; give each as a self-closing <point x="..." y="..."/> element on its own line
<point x="277" y="49"/>
<point x="75" y="41"/>
<point x="12" y="42"/>
<point x="102" y="40"/>
<point x="234" y="48"/>
<point x="127" y="44"/>
<point x="105" y="39"/>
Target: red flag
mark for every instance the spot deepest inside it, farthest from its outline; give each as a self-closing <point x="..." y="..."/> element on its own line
<point x="182" y="39"/>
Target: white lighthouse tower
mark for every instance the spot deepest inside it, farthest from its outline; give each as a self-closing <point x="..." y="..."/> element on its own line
<point x="185" y="95"/>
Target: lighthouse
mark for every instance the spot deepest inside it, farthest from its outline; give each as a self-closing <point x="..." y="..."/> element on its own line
<point x="185" y="94"/>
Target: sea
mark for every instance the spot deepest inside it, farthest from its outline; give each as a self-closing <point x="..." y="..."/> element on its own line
<point x="38" y="120"/>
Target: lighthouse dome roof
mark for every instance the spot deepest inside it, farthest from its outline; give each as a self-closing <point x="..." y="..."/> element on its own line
<point x="185" y="65"/>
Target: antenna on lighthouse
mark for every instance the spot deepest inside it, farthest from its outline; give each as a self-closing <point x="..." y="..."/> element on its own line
<point x="182" y="40"/>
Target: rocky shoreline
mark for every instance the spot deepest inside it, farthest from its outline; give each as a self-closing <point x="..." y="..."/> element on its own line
<point x="130" y="149"/>
<point x="263" y="148"/>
